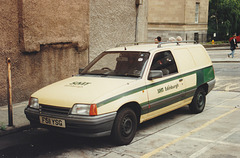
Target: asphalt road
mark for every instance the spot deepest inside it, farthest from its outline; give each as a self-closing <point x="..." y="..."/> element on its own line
<point x="227" y="77"/>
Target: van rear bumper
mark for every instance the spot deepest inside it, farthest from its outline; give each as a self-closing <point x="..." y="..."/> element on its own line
<point x="211" y="85"/>
<point x="86" y="126"/>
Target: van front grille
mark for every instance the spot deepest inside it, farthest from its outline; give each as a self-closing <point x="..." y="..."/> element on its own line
<point x="54" y="109"/>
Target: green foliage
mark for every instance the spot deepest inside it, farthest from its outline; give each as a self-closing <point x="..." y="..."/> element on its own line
<point x="2" y="127"/>
<point x="224" y="17"/>
<point x="217" y="42"/>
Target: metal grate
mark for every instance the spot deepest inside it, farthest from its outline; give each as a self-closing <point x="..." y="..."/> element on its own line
<point x="53" y="109"/>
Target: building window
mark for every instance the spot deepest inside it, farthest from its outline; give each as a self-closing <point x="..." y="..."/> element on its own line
<point x="197" y="12"/>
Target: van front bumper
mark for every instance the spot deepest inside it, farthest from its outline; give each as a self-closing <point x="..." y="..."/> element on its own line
<point x="86" y="126"/>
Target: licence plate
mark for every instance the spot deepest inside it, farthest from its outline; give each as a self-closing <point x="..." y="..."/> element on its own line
<point x="52" y="121"/>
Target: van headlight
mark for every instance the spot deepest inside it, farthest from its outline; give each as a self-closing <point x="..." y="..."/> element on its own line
<point x="84" y="109"/>
<point x="33" y="103"/>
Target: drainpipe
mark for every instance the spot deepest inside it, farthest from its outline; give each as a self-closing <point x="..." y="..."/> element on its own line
<point x="9" y="80"/>
<point x="138" y="3"/>
<point x="136" y="24"/>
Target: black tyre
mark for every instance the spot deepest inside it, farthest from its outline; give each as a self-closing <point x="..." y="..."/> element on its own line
<point x="124" y="127"/>
<point x="198" y="103"/>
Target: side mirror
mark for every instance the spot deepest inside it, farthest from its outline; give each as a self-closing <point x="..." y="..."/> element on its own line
<point x="155" y="74"/>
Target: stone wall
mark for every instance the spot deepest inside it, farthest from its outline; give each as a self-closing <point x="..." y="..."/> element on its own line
<point x="45" y="41"/>
<point x="165" y="11"/>
<point x="115" y="22"/>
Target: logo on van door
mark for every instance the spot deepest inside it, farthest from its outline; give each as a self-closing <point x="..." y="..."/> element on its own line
<point x="167" y="88"/>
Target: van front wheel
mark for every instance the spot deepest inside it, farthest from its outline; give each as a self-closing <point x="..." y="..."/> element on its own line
<point x="198" y="103"/>
<point x="124" y="127"/>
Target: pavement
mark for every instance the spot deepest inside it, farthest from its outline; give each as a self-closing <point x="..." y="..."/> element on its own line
<point x="220" y="54"/>
<point x="20" y="122"/>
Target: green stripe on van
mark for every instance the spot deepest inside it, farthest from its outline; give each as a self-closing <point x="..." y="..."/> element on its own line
<point x="121" y="95"/>
<point x="203" y="75"/>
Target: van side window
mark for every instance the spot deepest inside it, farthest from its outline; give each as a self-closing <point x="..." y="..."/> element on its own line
<point x="165" y="62"/>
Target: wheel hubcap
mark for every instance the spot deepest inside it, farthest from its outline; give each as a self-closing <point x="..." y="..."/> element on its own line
<point x="126" y="126"/>
<point x="200" y="100"/>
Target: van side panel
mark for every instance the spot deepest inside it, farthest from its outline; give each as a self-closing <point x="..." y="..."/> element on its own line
<point x="184" y="60"/>
<point x="195" y="58"/>
<point x="205" y="75"/>
<point x="208" y="74"/>
<point x="200" y="56"/>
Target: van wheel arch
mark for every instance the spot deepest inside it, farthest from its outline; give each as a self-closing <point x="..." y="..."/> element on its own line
<point x="125" y="124"/>
<point x="199" y="100"/>
<point x="135" y="107"/>
<point x="205" y="87"/>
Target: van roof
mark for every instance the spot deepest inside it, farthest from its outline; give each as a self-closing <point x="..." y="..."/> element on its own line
<point x="151" y="47"/>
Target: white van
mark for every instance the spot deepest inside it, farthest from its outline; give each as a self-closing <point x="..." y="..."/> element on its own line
<point x="123" y="87"/>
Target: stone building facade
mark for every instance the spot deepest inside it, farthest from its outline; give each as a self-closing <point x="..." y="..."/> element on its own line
<point x="116" y="21"/>
<point x="50" y="40"/>
<point x="185" y="18"/>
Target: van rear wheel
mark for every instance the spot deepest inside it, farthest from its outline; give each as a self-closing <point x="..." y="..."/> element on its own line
<point x="124" y="127"/>
<point x="198" y="103"/>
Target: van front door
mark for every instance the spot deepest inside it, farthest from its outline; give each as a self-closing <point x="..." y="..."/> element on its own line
<point x="165" y="92"/>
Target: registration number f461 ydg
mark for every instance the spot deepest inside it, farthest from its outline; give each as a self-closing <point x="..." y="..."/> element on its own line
<point x="52" y="121"/>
